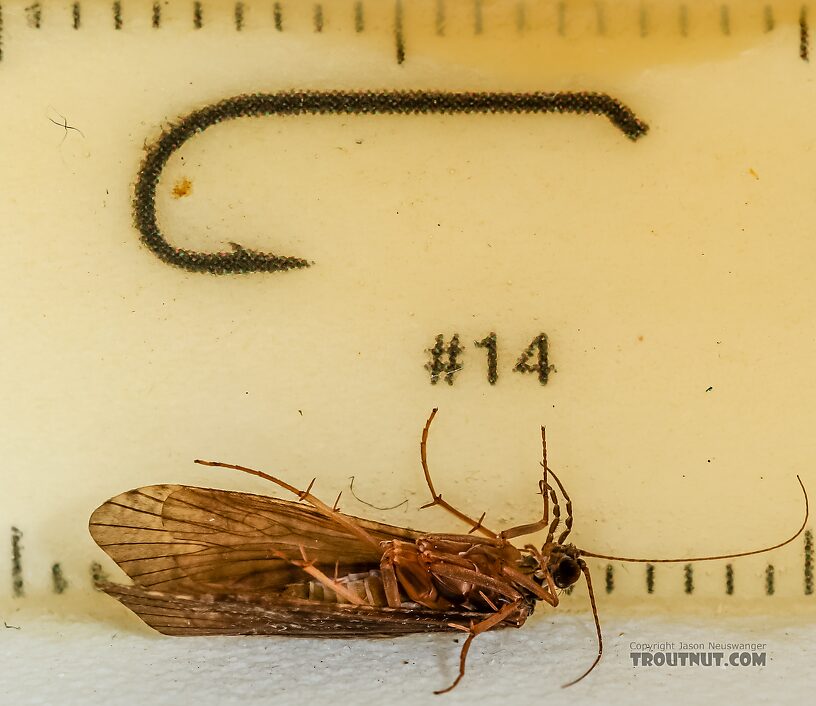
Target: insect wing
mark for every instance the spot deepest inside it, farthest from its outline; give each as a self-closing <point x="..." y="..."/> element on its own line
<point x="181" y="539"/>
<point x="205" y="614"/>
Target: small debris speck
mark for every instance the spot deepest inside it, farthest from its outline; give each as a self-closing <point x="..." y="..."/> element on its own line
<point x="182" y="188"/>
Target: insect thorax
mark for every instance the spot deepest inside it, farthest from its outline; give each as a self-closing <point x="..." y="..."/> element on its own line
<point x="442" y="571"/>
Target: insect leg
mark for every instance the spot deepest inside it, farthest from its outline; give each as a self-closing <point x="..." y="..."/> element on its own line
<point x="476" y="526"/>
<point x="478" y="629"/>
<point x="549" y="594"/>
<point x="475" y="578"/>
<point x="585" y="570"/>
<point x="319" y="505"/>
<point x="389" y="579"/>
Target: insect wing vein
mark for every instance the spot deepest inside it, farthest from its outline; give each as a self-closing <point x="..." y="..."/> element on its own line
<point x="204" y="541"/>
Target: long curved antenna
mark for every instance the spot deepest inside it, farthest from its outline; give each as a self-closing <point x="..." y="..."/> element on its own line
<point x="712" y="558"/>
<point x="585" y="571"/>
<point x="556" y="512"/>
<point x="543" y="486"/>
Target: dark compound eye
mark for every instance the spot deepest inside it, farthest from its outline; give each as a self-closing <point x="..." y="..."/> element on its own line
<point x="566" y="573"/>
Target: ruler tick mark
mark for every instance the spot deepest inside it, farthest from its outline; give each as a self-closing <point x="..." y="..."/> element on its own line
<point x="769" y="580"/>
<point x="768" y="19"/>
<point x="478" y="20"/>
<point x="804" y="35"/>
<point x="643" y="21"/>
<point x="198" y="15"/>
<point x="359" y="19"/>
<point x="17" y="563"/>
<point x="238" y="16"/>
<point x="561" y="23"/>
<point x="683" y="20"/>
<point x="117" y="14"/>
<point x="610" y="579"/>
<point x="1" y="32"/>
<point x="277" y="14"/>
<point x="98" y="574"/>
<point x="688" y="579"/>
<point x="156" y="18"/>
<point x="76" y="15"/>
<point x="399" y="38"/>
<point x="600" y="18"/>
<point x="650" y="578"/>
<point x="317" y="18"/>
<point x="58" y="579"/>
<point x="34" y="15"/>
<point x="729" y="580"/>
<point x="439" y="18"/>
<point x="725" y="20"/>
<point x="808" y="563"/>
<point x="521" y="17"/>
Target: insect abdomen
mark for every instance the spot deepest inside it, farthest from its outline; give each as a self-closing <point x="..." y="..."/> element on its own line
<point x="368" y="586"/>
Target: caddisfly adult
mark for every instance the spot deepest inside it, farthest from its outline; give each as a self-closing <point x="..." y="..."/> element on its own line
<point x="217" y="562"/>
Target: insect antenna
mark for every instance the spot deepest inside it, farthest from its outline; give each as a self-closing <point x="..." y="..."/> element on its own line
<point x="718" y="556"/>
<point x="585" y="571"/>
<point x="556" y="510"/>
<point x="543" y="486"/>
<point x="568" y="501"/>
<point x="544" y="483"/>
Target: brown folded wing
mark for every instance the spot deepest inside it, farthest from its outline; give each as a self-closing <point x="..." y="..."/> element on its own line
<point x="200" y="541"/>
<point x="183" y="615"/>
